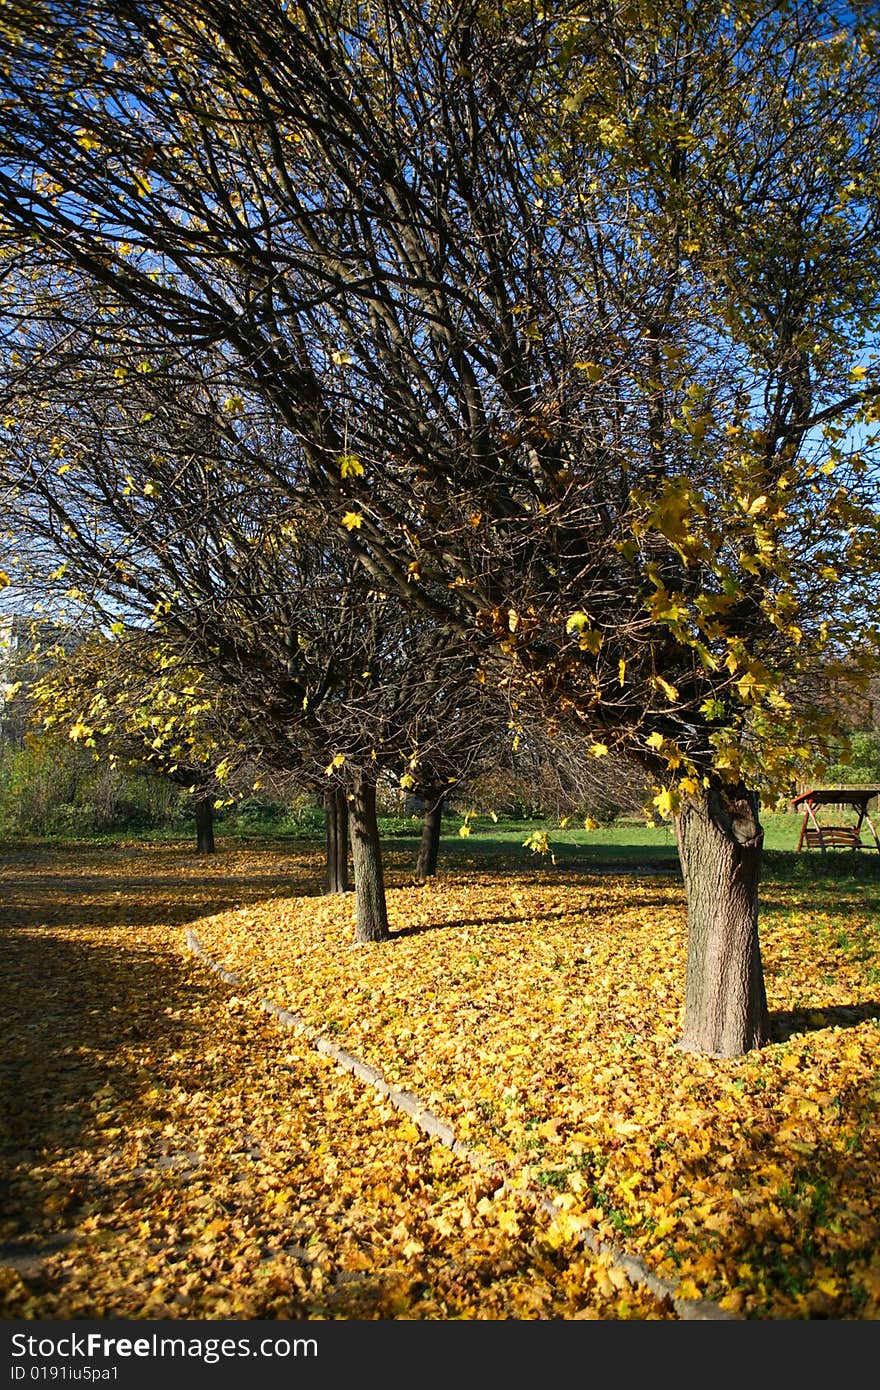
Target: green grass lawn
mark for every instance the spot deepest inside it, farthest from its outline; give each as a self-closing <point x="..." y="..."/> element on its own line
<point x="631" y="844"/>
<point x="625" y="841"/>
<point x="625" y="844"/>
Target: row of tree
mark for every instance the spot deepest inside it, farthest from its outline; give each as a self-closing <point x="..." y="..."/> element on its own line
<point x="412" y="721"/>
<point x="440" y="364"/>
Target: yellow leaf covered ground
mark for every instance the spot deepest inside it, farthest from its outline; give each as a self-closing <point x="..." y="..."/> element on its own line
<point x="201" y="1162"/>
<point x="168" y="1151"/>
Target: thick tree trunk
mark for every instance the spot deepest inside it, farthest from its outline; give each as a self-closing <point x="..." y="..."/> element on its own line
<point x="336" y="812"/>
<point x="204" y="809"/>
<point x="369" y="881"/>
<point x="429" y="848"/>
<point x="720" y="840"/>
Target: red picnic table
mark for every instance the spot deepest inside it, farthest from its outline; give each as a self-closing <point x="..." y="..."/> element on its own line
<point x="818" y="836"/>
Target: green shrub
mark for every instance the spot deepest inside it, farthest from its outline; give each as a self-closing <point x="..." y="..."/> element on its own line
<point x="399" y="826"/>
<point x="257" y="812"/>
<point x="50" y="787"/>
<point x="862" y="766"/>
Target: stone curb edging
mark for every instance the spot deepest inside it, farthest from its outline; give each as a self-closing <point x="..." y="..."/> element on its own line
<point x="638" y="1274"/>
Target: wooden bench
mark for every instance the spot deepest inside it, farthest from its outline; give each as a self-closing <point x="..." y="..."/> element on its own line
<point x="832" y="837"/>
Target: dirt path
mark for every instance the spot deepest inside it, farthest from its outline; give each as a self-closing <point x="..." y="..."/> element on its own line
<point x="168" y="1153"/>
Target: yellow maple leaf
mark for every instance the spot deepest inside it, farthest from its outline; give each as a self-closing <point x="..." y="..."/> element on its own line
<point x="537" y="842"/>
<point x="667" y="802"/>
<point x="508" y="1222"/>
<point x="577" y="621"/>
<point x="593" y="370"/>
<point x="349" y="466"/>
<point x="670" y="691"/>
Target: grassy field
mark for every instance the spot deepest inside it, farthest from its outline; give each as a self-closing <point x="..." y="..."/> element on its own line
<point x="625" y="841"/>
<point x="626" y="845"/>
<point x="633" y="845"/>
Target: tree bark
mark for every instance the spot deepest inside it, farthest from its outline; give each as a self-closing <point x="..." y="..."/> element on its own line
<point x="204" y="809"/>
<point x="336" y="812"/>
<point x="369" y="881"/>
<point x="429" y="848"/>
<point x="720" y="841"/>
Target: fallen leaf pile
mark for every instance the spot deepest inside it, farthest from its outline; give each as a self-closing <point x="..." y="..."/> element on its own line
<point x="169" y="1152"/>
<point x="202" y="1162"/>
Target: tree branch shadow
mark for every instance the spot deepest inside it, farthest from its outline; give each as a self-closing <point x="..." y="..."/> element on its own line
<point x="786" y="1023"/>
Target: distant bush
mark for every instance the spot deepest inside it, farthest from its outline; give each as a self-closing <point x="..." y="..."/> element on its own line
<point x="863" y="763"/>
<point x="50" y="787"/>
<point x="298" y="816"/>
<point x="397" y="827"/>
<point x="305" y="816"/>
<point x="256" y="813"/>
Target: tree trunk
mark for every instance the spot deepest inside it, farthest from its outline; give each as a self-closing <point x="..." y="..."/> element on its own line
<point x="205" y="825"/>
<point x="719" y="841"/>
<point x="429" y="848"/>
<point x="336" y="811"/>
<point x="369" y="882"/>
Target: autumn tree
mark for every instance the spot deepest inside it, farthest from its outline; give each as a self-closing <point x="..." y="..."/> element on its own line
<point x="130" y="701"/>
<point x="563" y="318"/>
<point x="141" y="490"/>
